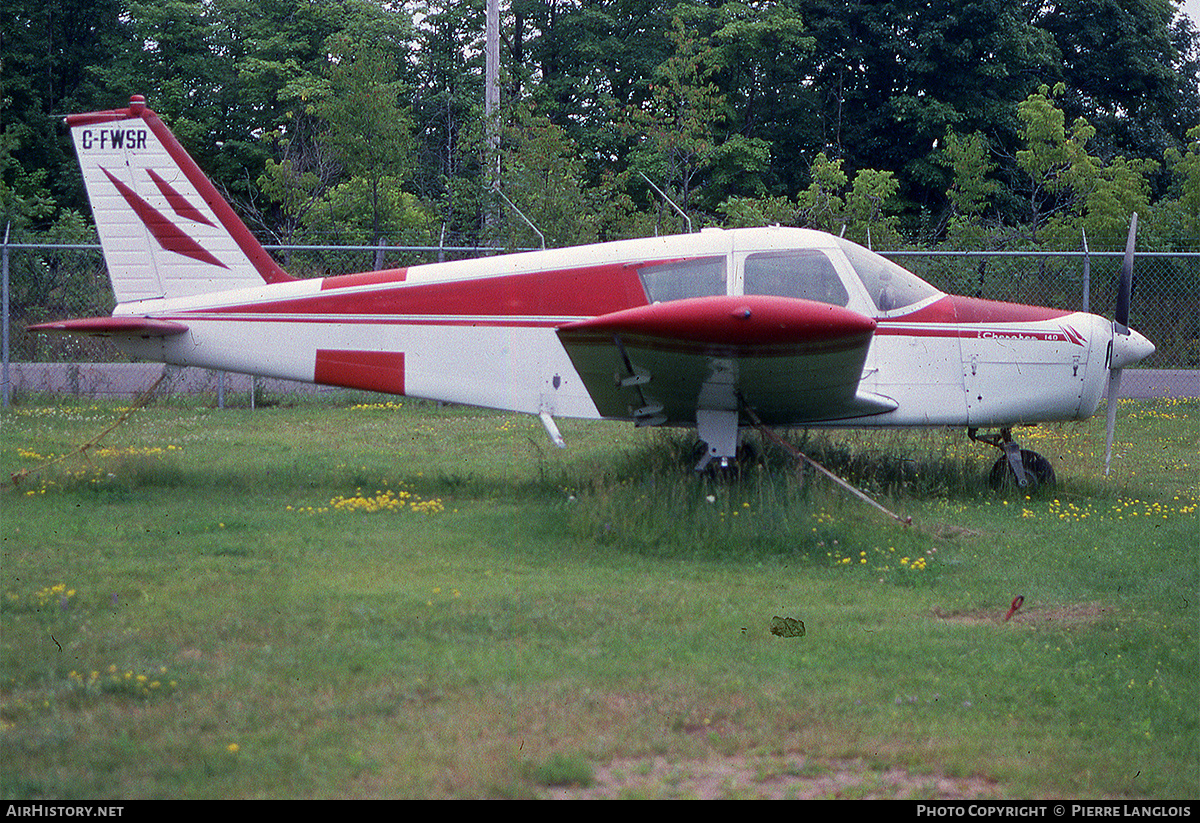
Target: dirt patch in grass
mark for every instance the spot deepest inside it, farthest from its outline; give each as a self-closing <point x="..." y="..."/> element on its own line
<point x="1067" y="614"/>
<point x="781" y="778"/>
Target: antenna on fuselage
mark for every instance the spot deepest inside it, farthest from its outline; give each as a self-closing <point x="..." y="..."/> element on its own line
<point x="521" y="214"/>
<point x="669" y="200"/>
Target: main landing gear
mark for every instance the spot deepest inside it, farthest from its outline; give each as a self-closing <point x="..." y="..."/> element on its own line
<point x="1018" y="467"/>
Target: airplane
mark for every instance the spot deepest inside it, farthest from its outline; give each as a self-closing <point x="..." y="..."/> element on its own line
<point x="782" y="327"/>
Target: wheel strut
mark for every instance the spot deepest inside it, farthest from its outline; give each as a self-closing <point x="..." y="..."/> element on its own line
<point x="1012" y="450"/>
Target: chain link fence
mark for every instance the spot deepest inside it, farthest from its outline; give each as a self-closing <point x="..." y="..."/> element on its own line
<point x="1165" y="303"/>
<point x="54" y="282"/>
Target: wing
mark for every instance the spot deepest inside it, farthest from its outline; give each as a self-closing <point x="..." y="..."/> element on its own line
<point x="793" y="361"/>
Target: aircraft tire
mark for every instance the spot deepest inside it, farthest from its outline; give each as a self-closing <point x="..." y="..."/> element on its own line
<point x="748" y="455"/>
<point x="1038" y="472"/>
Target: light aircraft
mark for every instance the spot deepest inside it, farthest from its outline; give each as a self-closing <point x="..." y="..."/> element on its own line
<point x="715" y="329"/>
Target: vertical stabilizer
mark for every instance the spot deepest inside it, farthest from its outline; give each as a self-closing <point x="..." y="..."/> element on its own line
<point x="165" y="230"/>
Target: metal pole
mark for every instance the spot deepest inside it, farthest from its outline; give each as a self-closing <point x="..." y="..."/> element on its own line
<point x="4" y="345"/>
<point x="491" y="100"/>
<point x="1087" y="274"/>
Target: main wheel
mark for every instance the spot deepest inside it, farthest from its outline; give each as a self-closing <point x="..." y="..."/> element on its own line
<point x="1038" y="472"/>
<point x="748" y="454"/>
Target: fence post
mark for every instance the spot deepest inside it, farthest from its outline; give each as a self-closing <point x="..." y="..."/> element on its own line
<point x="7" y="384"/>
<point x="1087" y="274"/>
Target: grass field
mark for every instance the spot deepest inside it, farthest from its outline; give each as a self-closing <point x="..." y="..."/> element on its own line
<point x="391" y="599"/>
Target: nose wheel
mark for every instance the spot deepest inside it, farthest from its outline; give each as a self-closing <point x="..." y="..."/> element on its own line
<point x="1018" y="468"/>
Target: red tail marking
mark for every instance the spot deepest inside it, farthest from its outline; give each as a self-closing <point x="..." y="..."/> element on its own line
<point x="178" y="202"/>
<point x="168" y="235"/>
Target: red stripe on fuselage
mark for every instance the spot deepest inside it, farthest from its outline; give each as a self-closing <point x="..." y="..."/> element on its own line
<point x="957" y="309"/>
<point x="366" y="278"/>
<point x="973" y="318"/>
<point x="583" y="292"/>
<point x="554" y="298"/>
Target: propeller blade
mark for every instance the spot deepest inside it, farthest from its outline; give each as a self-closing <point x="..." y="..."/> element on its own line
<point x="1120" y="326"/>
<point x="1124" y="290"/>
<point x="1114" y="388"/>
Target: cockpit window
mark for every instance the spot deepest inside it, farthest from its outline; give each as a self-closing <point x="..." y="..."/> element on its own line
<point x="802" y="273"/>
<point x="703" y="277"/>
<point x="890" y="286"/>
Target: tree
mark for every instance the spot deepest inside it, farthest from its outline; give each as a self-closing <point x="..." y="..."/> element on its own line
<point x="369" y="128"/>
<point x="971" y="191"/>
<point x="758" y="50"/>
<point x="1125" y="67"/>
<point x="888" y="80"/>
<point x="862" y="210"/>
<point x="449" y="73"/>
<point x="1071" y="189"/>
<point x="1179" y="213"/>
<point x="48" y="54"/>
<point x="300" y="172"/>
<point x="675" y="128"/>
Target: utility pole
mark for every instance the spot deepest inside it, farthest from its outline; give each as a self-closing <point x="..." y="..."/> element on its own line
<point x="491" y="97"/>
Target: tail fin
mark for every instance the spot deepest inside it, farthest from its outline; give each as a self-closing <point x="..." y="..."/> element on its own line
<point x="164" y="228"/>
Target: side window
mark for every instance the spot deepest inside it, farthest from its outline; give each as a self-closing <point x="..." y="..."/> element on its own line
<point x="703" y="277"/>
<point x="804" y="273"/>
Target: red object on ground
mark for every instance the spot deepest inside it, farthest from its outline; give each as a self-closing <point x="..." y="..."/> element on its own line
<point x="1016" y="604"/>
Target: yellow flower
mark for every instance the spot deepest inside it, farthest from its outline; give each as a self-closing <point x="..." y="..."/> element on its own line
<point x="232" y="748"/>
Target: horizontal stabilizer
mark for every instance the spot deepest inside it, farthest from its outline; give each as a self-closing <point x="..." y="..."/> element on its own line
<point x="113" y="327"/>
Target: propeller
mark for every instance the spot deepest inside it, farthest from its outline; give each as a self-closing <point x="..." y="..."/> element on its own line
<point x="1127" y="346"/>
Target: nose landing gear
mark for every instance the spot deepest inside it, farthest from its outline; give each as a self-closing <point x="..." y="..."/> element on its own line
<point x="1018" y="467"/>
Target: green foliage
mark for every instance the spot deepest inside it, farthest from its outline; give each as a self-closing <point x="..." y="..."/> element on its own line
<point x="1066" y="190"/>
<point x="675" y="129"/>
<point x="971" y="190"/>
<point x="24" y="197"/>
<point x="862" y="211"/>
<point x="1179" y="215"/>
<point x="544" y="176"/>
<point x="727" y="106"/>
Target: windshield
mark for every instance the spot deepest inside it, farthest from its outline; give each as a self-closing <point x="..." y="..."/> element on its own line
<point x="804" y="273"/>
<point x="891" y="286"/>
